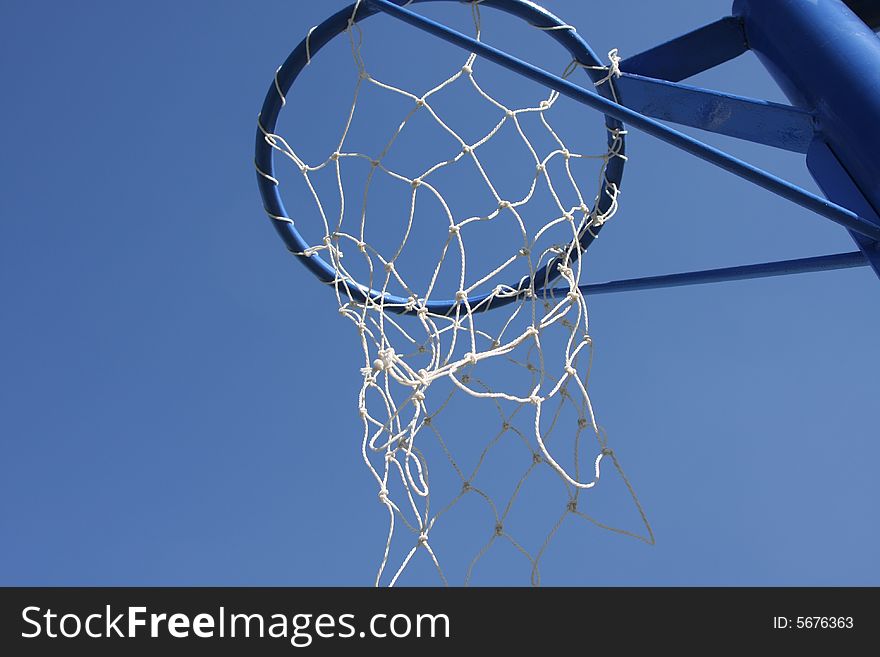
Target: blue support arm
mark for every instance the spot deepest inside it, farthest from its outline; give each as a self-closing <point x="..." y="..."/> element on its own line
<point x="691" y="53"/>
<point x="759" y="121"/>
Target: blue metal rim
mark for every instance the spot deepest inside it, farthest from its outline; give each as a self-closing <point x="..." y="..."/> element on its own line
<point x="299" y="59"/>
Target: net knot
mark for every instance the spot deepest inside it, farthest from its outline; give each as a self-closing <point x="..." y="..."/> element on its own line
<point x="362" y="247"/>
<point x="539" y="167"/>
<point x="614" y="61"/>
<point x="569" y="217"/>
<point x="607" y="451"/>
<point x="503" y="205"/>
<point x="571" y="506"/>
<point x="582" y="423"/>
<point x="454" y="229"/>
<point x="419" y="396"/>
<point x="570" y="370"/>
<point x="420" y="102"/>
<point x="536" y="458"/>
<point x="470" y="358"/>
<point x="466" y="487"/>
<point x="389" y="267"/>
<point x="461" y="296"/>
<point x="466" y="149"/>
<point x="535" y="399"/>
<point x="531" y="331"/>
<point x="499" y="529"/>
<point x="385" y="361"/>
<point x="334" y="156"/>
<point x="467" y="69"/>
<point x="423" y="538"/>
<point x="416" y="183"/>
<point x="383" y="495"/>
<point x="573" y="296"/>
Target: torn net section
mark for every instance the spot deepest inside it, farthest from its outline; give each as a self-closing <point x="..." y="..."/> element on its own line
<point x="409" y="351"/>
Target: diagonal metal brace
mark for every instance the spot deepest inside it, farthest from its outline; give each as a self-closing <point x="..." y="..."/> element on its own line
<point x="738" y="273"/>
<point x="783" y="188"/>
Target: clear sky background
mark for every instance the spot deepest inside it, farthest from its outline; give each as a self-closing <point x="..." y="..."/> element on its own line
<point x="177" y="394"/>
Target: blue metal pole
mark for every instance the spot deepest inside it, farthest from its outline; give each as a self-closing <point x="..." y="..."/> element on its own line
<point x="708" y="153"/>
<point x="827" y="59"/>
<point x="691" y="53"/>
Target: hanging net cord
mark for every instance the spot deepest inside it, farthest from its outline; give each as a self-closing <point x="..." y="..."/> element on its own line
<point x="405" y="357"/>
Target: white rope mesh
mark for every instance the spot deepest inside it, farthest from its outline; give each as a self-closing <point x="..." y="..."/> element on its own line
<point x="414" y="366"/>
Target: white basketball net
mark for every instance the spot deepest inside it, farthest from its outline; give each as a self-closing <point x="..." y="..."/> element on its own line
<point x="406" y="358"/>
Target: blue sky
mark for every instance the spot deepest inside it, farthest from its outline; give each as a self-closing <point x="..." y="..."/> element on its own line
<point x="178" y="395"/>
